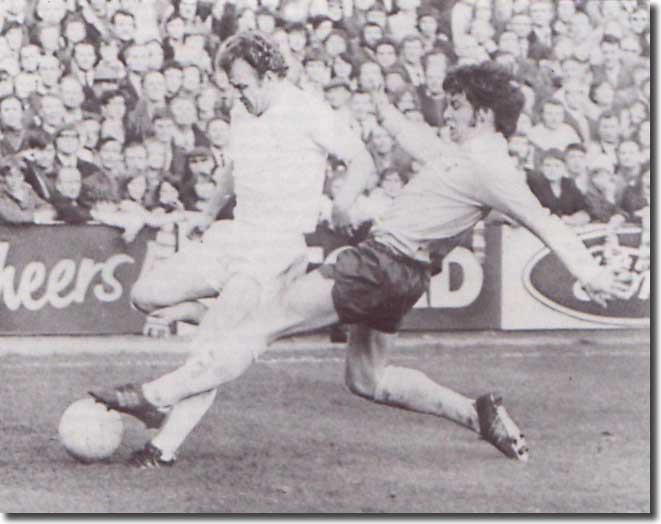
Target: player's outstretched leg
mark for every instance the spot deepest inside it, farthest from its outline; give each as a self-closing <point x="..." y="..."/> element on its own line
<point x="369" y="375"/>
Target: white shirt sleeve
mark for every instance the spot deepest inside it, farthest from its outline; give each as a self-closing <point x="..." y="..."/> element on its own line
<point x="332" y="133"/>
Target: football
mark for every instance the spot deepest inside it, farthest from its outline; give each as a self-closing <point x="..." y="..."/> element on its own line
<point x="89" y="431"/>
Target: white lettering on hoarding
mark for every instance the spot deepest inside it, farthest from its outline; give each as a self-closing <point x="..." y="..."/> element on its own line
<point x="34" y="277"/>
<point x="441" y="294"/>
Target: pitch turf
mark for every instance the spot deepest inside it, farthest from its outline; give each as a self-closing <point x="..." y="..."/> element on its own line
<point x="287" y="437"/>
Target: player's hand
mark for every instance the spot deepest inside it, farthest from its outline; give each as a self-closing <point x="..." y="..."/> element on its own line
<point x="608" y="284"/>
<point x="341" y="220"/>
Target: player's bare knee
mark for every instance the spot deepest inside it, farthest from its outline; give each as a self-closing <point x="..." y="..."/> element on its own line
<point x="143" y="297"/>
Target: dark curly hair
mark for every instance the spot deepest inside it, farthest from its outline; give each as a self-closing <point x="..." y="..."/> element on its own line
<point x="489" y="86"/>
<point x="256" y="48"/>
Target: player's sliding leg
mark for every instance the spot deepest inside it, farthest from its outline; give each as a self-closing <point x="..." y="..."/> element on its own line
<point x="369" y="375"/>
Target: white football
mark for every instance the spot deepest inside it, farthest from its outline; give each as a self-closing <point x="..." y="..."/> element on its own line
<point x="89" y="432"/>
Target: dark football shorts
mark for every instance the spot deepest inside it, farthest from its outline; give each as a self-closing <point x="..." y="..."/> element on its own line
<point x="375" y="285"/>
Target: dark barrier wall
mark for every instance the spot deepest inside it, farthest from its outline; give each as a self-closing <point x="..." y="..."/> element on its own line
<point x="64" y="279"/>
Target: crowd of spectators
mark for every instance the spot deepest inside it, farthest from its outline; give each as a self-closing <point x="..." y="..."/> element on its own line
<point x="111" y="110"/>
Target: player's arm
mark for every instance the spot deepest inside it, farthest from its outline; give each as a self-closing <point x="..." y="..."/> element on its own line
<point x="335" y="137"/>
<point x="503" y="189"/>
<point x="418" y="141"/>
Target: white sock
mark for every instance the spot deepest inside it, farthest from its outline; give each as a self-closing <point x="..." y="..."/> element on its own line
<point x="183" y="418"/>
<point x="413" y="390"/>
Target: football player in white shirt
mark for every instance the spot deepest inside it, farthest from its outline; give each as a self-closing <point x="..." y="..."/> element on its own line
<point x="376" y="283"/>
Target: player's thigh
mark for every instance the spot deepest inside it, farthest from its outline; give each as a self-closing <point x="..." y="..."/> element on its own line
<point x="187" y="275"/>
<point x="366" y="358"/>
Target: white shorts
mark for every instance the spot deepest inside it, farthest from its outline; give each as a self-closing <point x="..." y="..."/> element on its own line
<point x="229" y="248"/>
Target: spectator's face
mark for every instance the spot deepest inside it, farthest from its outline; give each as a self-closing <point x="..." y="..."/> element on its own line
<point x="382" y="141"/>
<point x="566" y="10"/>
<point x="49" y="70"/>
<point x="611" y="10"/>
<point x="11" y="113"/>
<point x="394" y="82"/>
<point x="187" y="9"/>
<point x="24" y="85"/>
<point x="576" y="162"/>
<point x="459" y="117"/>
<point x="110" y="154"/>
<point x="14" y="179"/>
<point x="392" y="185"/>
<point x="372" y="34"/>
<point x="135" y="159"/>
<point x="175" y="28"/>
<point x="29" y="58"/>
<point x="206" y="101"/>
<point x="247" y="20"/>
<point x="377" y="16"/>
<point x="155" y="155"/>
<point x="335" y="45"/>
<point x="45" y="157"/>
<point x="205" y="186"/>
<point x="201" y="165"/>
<point x="482" y="31"/>
<point x="52" y="111"/>
<point x="553" y="115"/>
<point x="136" y="188"/>
<point x="638" y="113"/>
<point x="609" y="130"/>
<point x="174" y="78"/>
<point x="509" y="43"/>
<point x="580" y="27"/>
<point x="408" y="5"/>
<point x="638" y="21"/>
<point x="428" y="26"/>
<point x="611" y="53"/>
<point x="72" y="93"/>
<point x="164" y="130"/>
<point x="630" y="49"/>
<point x="115" y="109"/>
<point x="265" y="23"/>
<point x="541" y="13"/>
<point x="604" y="95"/>
<point x="335" y="10"/>
<point x="317" y="72"/>
<point x="519" y="147"/>
<point x="84" y="56"/>
<point x="154" y="56"/>
<point x="137" y="59"/>
<point x="219" y="133"/>
<point x="297" y="41"/>
<point x="338" y="97"/>
<point x="14" y="38"/>
<point x="521" y="25"/>
<point x="69" y="182"/>
<point x="371" y="77"/>
<point x="75" y="31"/>
<point x="435" y="79"/>
<point x="124" y="27"/>
<point x="68" y="142"/>
<point x="386" y="55"/>
<point x="629" y="154"/>
<point x="184" y="112"/>
<point x="167" y="193"/>
<point x="406" y="102"/>
<point x="412" y="51"/>
<point x="191" y="79"/>
<point x="51" y="12"/>
<point x="361" y="105"/>
<point x="49" y="38"/>
<point x="154" y="86"/>
<point x="524" y="124"/>
<point x="341" y="68"/>
<point x="113" y="129"/>
<point x="92" y="131"/>
<point x="603" y="180"/>
<point x="6" y="84"/>
<point x="553" y="169"/>
<point x="575" y="94"/>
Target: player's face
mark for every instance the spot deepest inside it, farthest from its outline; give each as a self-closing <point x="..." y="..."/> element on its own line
<point x="252" y="91"/>
<point x="459" y="117"/>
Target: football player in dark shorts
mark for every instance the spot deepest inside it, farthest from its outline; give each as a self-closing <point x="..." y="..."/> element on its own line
<point x="372" y="286"/>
